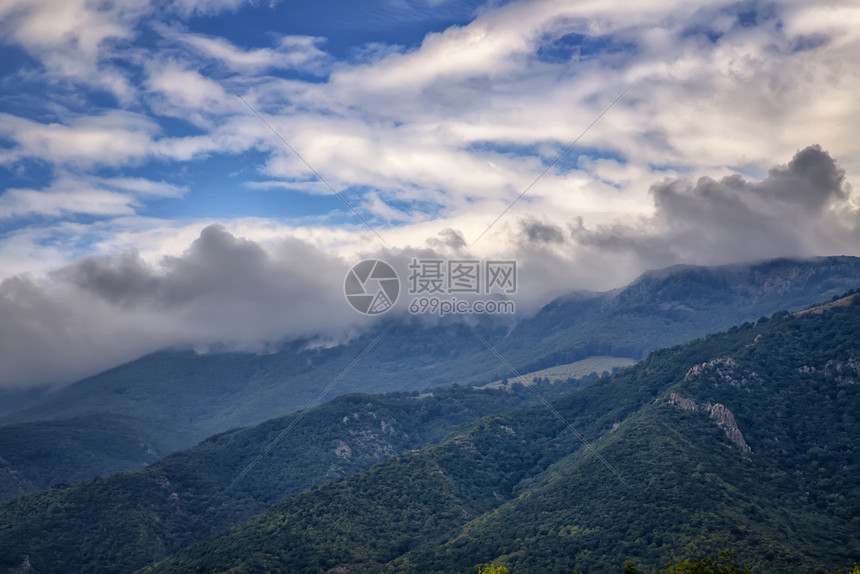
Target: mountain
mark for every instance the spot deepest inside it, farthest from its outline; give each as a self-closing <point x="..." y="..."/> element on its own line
<point x="174" y="399"/>
<point x="12" y="400"/>
<point x="39" y="455"/>
<point x="747" y="440"/>
<point x="675" y="305"/>
<point x="126" y="521"/>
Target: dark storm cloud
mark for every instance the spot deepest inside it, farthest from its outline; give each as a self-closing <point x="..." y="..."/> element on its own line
<point x="223" y="290"/>
<point x="811" y="179"/>
<point x="123" y="279"/>
<point x="216" y="264"/>
<point x="537" y="232"/>
<point x="799" y="209"/>
<point x="450" y="238"/>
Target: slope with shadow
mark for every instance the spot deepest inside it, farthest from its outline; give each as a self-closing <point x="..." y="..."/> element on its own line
<point x="745" y="440"/>
<point x="126" y="521"/>
<point x="39" y="455"/>
<point x="174" y="399"/>
<point x="12" y="400"/>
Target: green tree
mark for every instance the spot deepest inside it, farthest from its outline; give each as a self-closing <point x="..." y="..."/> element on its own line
<point x="725" y="564"/>
<point x="492" y="569"/>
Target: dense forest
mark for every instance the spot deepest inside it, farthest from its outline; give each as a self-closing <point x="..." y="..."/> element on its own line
<point x="126" y="521"/>
<point x="744" y="440"/>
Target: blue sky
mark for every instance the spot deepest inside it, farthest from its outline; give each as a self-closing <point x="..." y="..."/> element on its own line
<point x="121" y="141"/>
<point x="458" y="104"/>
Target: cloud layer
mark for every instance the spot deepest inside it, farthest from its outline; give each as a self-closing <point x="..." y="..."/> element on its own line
<point x="143" y="204"/>
<point x="455" y="127"/>
<point x="100" y="311"/>
<point x="801" y="209"/>
<point x="229" y="292"/>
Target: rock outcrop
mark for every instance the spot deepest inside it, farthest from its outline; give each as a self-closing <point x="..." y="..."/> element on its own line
<point x="724" y="371"/>
<point x="722" y="416"/>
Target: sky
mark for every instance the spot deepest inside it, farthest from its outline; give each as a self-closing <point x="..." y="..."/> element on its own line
<point x="205" y="172"/>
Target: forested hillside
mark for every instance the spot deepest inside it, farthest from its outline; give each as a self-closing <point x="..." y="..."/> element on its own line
<point x="745" y="440"/>
<point x="126" y="521"/>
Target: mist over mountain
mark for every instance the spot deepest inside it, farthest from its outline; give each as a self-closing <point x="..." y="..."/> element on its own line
<point x="226" y="292"/>
<point x="173" y="399"/>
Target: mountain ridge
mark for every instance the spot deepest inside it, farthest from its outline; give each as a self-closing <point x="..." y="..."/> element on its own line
<point x="789" y="385"/>
<point x="174" y="399"/>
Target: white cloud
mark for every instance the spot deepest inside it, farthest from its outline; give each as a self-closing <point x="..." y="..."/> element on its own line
<point x="78" y="41"/>
<point x="35" y="250"/>
<point x="73" y="194"/>
<point x="112" y="138"/>
<point x="141" y="186"/>
<point x="425" y="126"/>
<point x="72" y="38"/>
<point x="188" y="8"/>
<point x="17" y="202"/>
<point x="290" y="53"/>
<point x="174" y="89"/>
